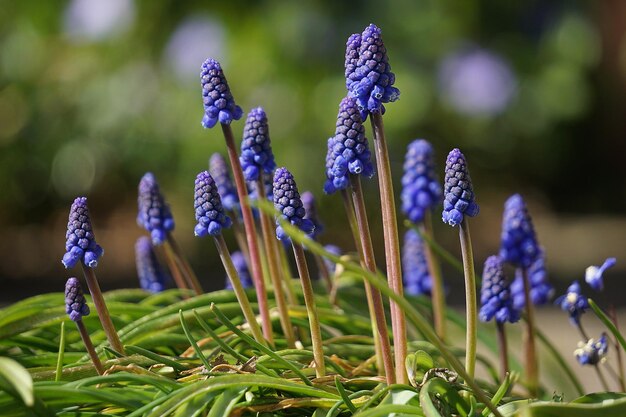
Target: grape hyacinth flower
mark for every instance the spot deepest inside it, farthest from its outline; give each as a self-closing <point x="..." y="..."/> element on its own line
<point x="80" y="244"/>
<point x="219" y="104"/>
<point x="369" y="78"/>
<point x="154" y="213"/>
<point x="573" y="302"/>
<point x="541" y="291"/>
<point x="308" y="202"/>
<point x="417" y="279"/>
<point x="256" y="157"/>
<point x="288" y="202"/>
<point x="421" y="190"/>
<point x="348" y="151"/>
<point x="518" y="245"/>
<point x="242" y="269"/>
<point x="592" y="352"/>
<point x="208" y="207"/>
<point x="76" y="307"/>
<point x="495" y="298"/>
<point x="219" y="171"/>
<point x="75" y="304"/>
<point x="335" y="250"/>
<point x="594" y="274"/>
<point x="151" y="275"/>
<point x="458" y="191"/>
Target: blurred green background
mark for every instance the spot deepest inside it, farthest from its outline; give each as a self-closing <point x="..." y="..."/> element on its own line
<point x="94" y="93"/>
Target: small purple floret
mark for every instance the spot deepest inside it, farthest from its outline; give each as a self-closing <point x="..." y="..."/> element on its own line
<point x="416" y="277"/>
<point x="151" y="275"/>
<point x="219" y="104"/>
<point x="592" y="352"/>
<point x="80" y="243"/>
<point x="75" y="304"/>
<point x="573" y="302"/>
<point x="256" y="148"/>
<point x="421" y="190"/>
<point x="153" y="212"/>
<point x="594" y="274"/>
<point x="288" y="202"/>
<point x="242" y="269"/>
<point x="208" y="207"/>
<point x="225" y="187"/>
<point x="495" y="295"/>
<point x="518" y="245"/>
<point x="458" y="191"/>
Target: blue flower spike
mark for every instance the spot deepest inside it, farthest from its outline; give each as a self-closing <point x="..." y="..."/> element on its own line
<point x="80" y="242"/>
<point x="416" y="277"/>
<point x="594" y="274"/>
<point x="288" y="202"/>
<point x="75" y="304"/>
<point x="348" y="151"/>
<point x="208" y="207"/>
<point x="518" y="245"/>
<point x="219" y="104"/>
<point x="256" y="157"/>
<point x="593" y="351"/>
<point x="151" y="275"/>
<point x="225" y="187"/>
<point x="154" y="213"/>
<point x="495" y="295"/>
<point x="458" y="192"/>
<point x="242" y="269"/>
<point x="573" y="302"/>
<point x="541" y="291"/>
<point x="421" y="190"/>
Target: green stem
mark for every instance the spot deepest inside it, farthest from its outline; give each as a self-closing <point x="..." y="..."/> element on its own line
<point x="601" y="378"/>
<point x="504" y="352"/>
<point x="437" y="293"/>
<point x="248" y="223"/>
<point x="311" y="308"/>
<point x="392" y="243"/>
<point x="324" y="273"/>
<point x="240" y="293"/>
<point x="370" y="263"/>
<point x="620" y="361"/>
<point x="356" y="236"/>
<point x="530" y="351"/>
<point x="101" y="308"/>
<point x="271" y="251"/>
<point x="89" y="346"/>
<point x="190" y="276"/>
<point x="470" y="296"/>
<point x="286" y="273"/>
<point x="59" y="368"/>
<point x="240" y="237"/>
<point x="174" y="268"/>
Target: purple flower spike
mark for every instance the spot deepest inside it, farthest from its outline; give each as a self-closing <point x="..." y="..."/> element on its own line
<point x="221" y="175"/>
<point x="256" y="149"/>
<point x="593" y="274"/>
<point x="421" y="190"/>
<point x="287" y="201"/>
<point x="518" y="245"/>
<point x="80" y="242"/>
<point x="458" y="192"/>
<point x="592" y="352"/>
<point x="573" y="302"/>
<point x="208" y="206"/>
<point x="495" y="296"/>
<point x="348" y="151"/>
<point x="154" y="214"/>
<point x="368" y="74"/>
<point x="242" y="269"/>
<point x="308" y="201"/>
<point x="75" y="304"/>
<point x="219" y="104"/>
<point x="151" y="275"/>
<point x="541" y="291"/>
<point x="416" y="278"/>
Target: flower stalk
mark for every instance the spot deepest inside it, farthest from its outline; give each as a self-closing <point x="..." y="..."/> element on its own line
<point x="471" y="309"/>
<point x="84" y="335"/>
<point x="530" y="351"/>
<point x="187" y="271"/>
<point x="174" y="268"/>
<point x="437" y="291"/>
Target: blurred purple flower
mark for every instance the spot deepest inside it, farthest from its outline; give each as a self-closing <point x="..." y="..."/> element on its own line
<point x="593" y="274"/>
<point x="477" y="82"/>
<point x="94" y="20"/>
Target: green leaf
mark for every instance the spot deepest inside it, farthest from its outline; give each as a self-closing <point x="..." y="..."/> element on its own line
<point x="447" y="394"/>
<point x="608" y="323"/>
<point x="225" y="402"/>
<point x="19" y="379"/>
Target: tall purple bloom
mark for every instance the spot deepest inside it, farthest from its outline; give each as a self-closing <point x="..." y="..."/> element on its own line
<point x="151" y="275"/>
<point x="242" y="270"/>
<point x="80" y="242"/>
<point x="573" y="302"/>
<point x="308" y="201"/>
<point x="416" y="277"/>
<point x="495" y="295"/>
<point x="208" y="207"/>
<point x="219" y="171"/>
<point x="421" y="190"/>
<point x="288" y="202"/>
<point x="75" y="303"/>
<point x="369" y="78"/>
<point x="458" y="192"/>
<point x="518" y="245"/>
<point x="154" y="213"/>
<point x="541" y="291"/>
<point x="594" y="274"/>
<point x="348" y="151"/>
<point x="256" y="149"/>
<point x="219" y="104"/>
